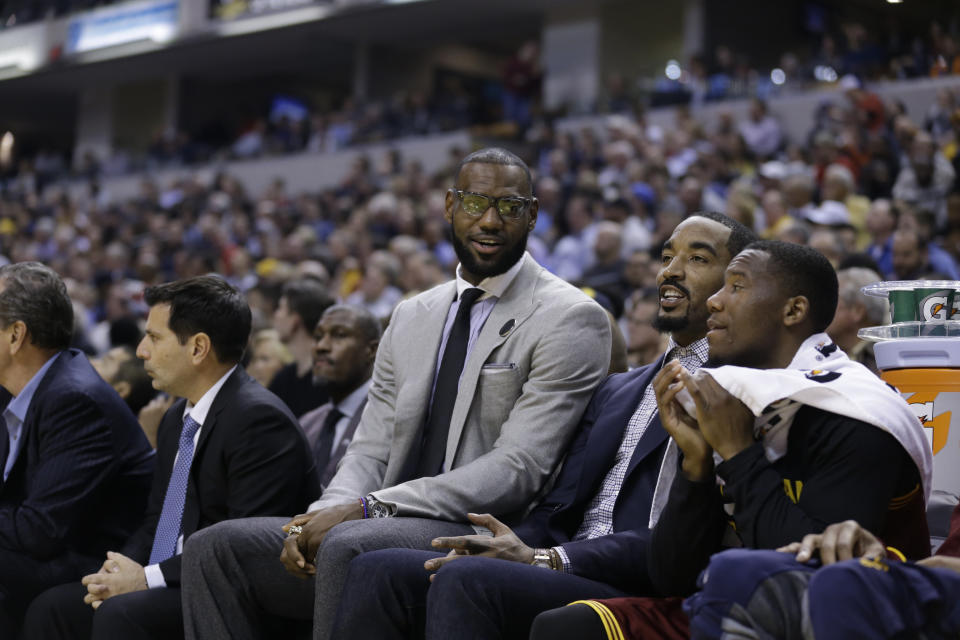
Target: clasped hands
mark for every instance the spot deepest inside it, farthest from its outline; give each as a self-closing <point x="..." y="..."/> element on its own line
<point x="118" y="575"/>
<point x="723" y="423"/>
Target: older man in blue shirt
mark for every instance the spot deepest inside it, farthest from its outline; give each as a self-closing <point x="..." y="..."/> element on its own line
<point x="72" y="451"/>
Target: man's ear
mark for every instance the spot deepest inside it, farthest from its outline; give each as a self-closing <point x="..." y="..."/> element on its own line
<point x="122" y="388"/>
<point x="18" y="336"/>
<point x="449" y="203"/>
<point x="859" y="312"/>
<point x="795" y="310"/>
<point x="532" y="214"/>
<point x="200" y="347"/>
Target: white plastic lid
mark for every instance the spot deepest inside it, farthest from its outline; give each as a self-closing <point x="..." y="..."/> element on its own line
<point x="942" y="353"/>
<point x="882" y="289"/>
<point x="915" y="330"/>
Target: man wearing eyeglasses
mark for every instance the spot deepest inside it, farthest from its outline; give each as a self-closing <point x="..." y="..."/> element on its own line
<point x="477" y="387"/>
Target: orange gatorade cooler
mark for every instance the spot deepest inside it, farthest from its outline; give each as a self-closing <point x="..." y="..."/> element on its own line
<point x="921" y="371"/>
<point x="919" y="354"/>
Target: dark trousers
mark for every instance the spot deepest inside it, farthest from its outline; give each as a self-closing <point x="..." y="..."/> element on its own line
<point x="22" y="578"/>
<point x="60" y="614"/>
<point x="389" y="595"/>
<point x="572" y="622"/>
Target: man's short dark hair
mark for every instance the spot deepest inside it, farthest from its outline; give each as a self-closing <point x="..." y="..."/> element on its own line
<point x="802" y="271"/>
<point x="206" y="304"/>
<point x="365" y="322"/>
<point x="740" y="234"/>
<point x="134" y="374"/>
<point x="308" y="298"/>
<point x="34" y="294"/>
<point x="496" y="155"/>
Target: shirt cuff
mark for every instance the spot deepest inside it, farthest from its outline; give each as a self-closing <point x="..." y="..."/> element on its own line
<point x="154" y="576"/>
<point x="564" y="559"/>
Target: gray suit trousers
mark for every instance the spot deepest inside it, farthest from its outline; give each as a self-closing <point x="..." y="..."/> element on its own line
<point x="232" y="573"/>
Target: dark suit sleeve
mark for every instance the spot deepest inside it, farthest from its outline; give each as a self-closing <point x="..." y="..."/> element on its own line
<point x="75" y="455"/>
<point x="266" y="464"/>
<point x="619" y="559"/>
<point x="689" y="531"/>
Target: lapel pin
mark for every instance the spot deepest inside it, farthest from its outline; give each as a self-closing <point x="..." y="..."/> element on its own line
<point x="507" y="327"/>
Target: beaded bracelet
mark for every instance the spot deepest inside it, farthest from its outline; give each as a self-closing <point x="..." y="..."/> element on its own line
<point x="363" y="503"/>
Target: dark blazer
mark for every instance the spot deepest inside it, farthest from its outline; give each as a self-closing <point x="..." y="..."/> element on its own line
<point x="80" y="482"/>
<point x="251" y="460"/>
<point x="618" y="558"/>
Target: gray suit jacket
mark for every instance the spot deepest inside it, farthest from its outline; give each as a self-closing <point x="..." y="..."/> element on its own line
<point x="521" y="396"/>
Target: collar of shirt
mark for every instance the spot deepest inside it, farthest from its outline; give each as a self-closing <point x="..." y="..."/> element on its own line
<point x="494" y="286"/>
<point x="698" y="349"/>
<point x="348" y="406"/>
<point x="21" y="403"/>
<point x="200" y="410"/>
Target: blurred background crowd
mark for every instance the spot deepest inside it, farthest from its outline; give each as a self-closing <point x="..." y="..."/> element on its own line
<point x="869" y="177"/>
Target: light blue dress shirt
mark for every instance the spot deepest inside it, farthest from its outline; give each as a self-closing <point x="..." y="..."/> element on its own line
<point x="16" y="413"/>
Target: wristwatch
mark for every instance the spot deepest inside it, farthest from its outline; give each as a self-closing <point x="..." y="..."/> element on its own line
<point x="378" y="509"/>
<point x="543" y="558"/>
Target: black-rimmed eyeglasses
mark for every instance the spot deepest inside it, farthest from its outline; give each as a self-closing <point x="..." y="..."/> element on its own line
<point x="475" y="204"/>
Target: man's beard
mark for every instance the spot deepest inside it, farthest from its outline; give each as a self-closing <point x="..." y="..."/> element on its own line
<point x="507" y="259"/>
<point x="667" y="324"/>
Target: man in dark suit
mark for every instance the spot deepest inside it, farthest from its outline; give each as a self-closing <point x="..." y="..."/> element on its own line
<point x="228" y="449"/>
<point x="581" y="539"/>
<point x="69" y="447"/>
<point x="346" y="345"/>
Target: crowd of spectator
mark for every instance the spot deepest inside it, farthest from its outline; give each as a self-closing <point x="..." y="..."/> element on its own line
<point x="849" y="57"/>
<point x="850" y="49"/>
<point x="870" y="187"/>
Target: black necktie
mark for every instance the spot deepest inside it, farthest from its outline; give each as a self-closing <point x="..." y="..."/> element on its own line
<point x="323" y="447"/>
<point x="445" y="393"/>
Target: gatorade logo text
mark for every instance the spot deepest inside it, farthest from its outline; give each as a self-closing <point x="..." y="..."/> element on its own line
<point x="934" y="307"/>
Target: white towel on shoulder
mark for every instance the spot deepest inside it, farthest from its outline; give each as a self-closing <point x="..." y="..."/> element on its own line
<point x="820" y="375"/>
